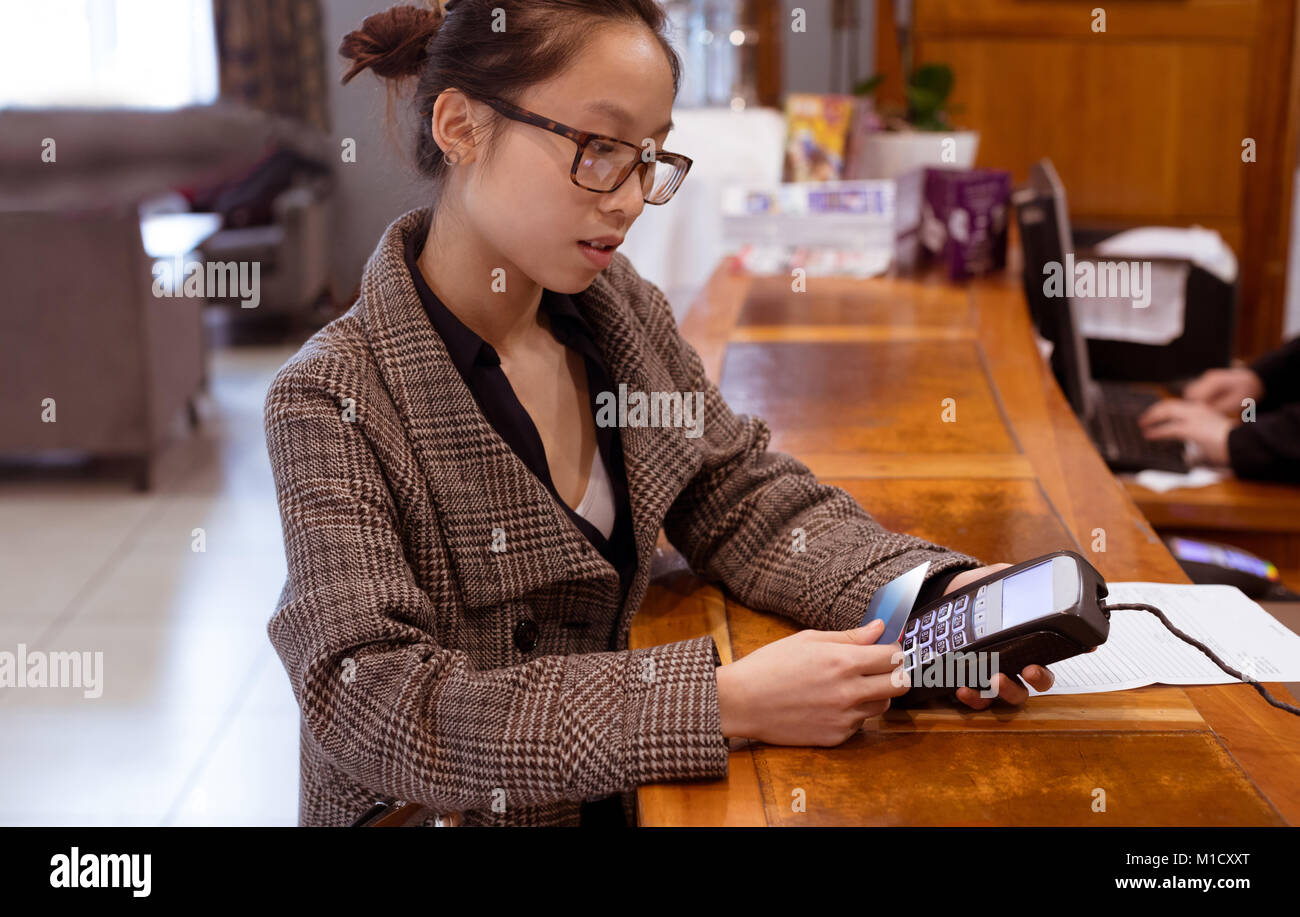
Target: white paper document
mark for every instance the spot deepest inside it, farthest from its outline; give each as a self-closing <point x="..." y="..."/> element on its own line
<point x="1161" y="320"/>
<point x="1164" y="481"/>
<point x="1203" y="247"/>
<point x="1140" y="651"/>
<point x="1118" y="318"/>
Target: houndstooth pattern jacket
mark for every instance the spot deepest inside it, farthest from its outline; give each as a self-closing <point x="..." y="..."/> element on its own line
<point x="417" y="541"/>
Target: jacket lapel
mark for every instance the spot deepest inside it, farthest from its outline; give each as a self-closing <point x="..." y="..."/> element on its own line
<point x="477" y="482"/>
<point x="659" y="461"/>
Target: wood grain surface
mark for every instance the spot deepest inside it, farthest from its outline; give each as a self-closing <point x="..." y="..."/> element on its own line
<point x="852" y="376"/>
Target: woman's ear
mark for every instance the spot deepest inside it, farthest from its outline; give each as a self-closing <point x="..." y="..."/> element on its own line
<point x="454" y="124"/>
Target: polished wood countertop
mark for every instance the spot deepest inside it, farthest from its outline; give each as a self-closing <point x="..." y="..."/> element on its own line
<point x="853" y="376"/>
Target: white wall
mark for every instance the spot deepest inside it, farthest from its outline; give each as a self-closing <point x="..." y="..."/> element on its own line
<point x="808" y="55"/>
<point x="382" y="184"/>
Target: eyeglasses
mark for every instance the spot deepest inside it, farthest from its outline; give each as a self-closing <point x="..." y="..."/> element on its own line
<point x="604" y="163"/>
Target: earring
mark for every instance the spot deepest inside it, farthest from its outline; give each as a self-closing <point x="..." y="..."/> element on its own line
<point x="450" y="162"/>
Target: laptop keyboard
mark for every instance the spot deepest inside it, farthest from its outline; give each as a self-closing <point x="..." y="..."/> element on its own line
<point x="1126" y="448"/>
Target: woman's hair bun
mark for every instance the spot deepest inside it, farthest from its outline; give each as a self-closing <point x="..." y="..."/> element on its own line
<point x="391" y="43"/>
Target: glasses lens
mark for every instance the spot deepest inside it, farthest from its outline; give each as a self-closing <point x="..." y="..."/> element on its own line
<point x="604" y="164"/>
<point x="661" y="180"/>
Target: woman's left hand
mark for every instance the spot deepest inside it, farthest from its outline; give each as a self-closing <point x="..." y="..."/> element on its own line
<point x="1011" y="692"/>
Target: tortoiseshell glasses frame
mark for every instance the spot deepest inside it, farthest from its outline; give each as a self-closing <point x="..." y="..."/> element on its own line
<point x="664" y="185"/>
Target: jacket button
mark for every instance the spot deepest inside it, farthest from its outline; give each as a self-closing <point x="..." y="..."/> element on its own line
<point x="526" y="634"/>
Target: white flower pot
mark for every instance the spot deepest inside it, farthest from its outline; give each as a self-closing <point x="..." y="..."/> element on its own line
<point x="889" y="154"/>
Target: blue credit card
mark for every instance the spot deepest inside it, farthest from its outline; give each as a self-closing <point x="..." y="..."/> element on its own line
<point x="894" y="601"/>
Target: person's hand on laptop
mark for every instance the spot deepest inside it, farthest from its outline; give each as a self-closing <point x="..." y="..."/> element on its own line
<point x="1225" y="389"/>
<point x="1008" y="690"/>
<point x="1192" y="422"/>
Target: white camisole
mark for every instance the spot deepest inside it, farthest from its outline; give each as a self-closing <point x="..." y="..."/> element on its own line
<point x="597" y="505"/>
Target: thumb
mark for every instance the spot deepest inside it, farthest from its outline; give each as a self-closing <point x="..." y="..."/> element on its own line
<point x="864" y="636"/>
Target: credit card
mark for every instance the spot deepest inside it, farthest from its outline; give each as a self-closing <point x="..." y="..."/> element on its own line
<point x="894" y="601"/>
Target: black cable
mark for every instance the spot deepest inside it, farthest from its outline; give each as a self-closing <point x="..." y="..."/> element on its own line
<point x="1137" y="606"/>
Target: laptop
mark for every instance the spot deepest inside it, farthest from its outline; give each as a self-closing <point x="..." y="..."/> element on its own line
<point x="1107" y="410"/>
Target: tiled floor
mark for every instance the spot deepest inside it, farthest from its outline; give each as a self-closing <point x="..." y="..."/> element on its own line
<point x="196" y="724"/>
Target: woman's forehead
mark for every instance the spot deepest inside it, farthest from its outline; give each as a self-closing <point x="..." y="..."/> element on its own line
<point x="620" y="80"/>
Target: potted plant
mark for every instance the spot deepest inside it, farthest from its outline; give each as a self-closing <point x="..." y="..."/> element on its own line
<point x="889" y="142"/>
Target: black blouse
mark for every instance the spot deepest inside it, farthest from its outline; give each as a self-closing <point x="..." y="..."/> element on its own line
<point x="480" y="367"/>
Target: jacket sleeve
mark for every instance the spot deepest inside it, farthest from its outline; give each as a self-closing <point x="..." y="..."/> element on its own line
<point x="1279" y="370"/>
<point x="1267" y="448"/>
<point x="414" y="720"/>
<point x="761" y="523"/>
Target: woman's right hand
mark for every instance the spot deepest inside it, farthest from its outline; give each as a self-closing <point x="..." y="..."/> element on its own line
<point x="811" y="688"/>
<point x="1224" y="389"/>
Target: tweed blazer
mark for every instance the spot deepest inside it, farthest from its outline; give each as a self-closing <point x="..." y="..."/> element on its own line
<point x="417" y="541"/>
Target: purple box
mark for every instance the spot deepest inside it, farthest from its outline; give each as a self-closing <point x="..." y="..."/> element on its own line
<point x="959" y="215"/>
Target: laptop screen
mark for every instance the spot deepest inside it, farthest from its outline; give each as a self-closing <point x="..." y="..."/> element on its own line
<point x="1046" y="238"/>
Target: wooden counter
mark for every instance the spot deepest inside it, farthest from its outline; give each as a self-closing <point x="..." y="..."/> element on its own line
<point x="1261" y="516"/>
<point x="852" y="376"/>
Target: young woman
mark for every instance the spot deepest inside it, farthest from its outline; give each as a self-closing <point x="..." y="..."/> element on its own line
<point x="468" y="540"/>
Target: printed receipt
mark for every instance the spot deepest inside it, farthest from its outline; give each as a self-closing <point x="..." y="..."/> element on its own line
<point x="1140" y="651"/>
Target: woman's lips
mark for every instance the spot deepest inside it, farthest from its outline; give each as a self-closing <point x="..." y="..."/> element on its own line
<point x="599" y="257"/>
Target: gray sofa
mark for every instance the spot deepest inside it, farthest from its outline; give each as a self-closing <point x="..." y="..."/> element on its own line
<point x="79" y="323"/>
<point x="291" y="251"/>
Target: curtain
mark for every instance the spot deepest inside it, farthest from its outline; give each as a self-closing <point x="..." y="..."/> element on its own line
<point x="271" y="56"/>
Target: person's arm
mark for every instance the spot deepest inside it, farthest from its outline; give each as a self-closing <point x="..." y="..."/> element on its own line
<point x="934" y="587"/>
<point x="1268" y="448"/>
<point x="738" y="519"/>
<point x="414" y="720"/>
<point x="1279" y="370"/>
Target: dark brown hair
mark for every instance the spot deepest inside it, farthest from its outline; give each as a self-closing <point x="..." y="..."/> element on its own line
<point x="458" y="48"/>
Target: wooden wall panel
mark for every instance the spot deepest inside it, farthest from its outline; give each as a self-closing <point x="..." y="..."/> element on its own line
<point x="1155" y="132"/>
